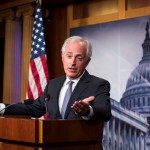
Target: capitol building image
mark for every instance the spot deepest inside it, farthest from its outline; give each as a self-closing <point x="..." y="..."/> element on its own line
<point x="129" y="127"/>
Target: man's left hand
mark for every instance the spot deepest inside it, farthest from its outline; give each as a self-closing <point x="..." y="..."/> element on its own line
<point x="81" y="107"/>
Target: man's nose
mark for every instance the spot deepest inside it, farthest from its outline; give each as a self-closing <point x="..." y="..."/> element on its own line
<point x="73" y="61"/>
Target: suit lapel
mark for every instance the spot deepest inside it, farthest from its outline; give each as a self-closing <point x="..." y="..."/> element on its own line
<point x="56" y="90"/>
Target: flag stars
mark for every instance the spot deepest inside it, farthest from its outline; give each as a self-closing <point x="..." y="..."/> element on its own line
<point x="40" y="19"/>
<point x="42" y="48"/>
<point x="36" y="30"/>
<point x="35" y="51"/>
<point x="39" y="24"/>
<point x="36" y="16"/>
<point x="42" y="34"/>
<point x="37" y="45"/>
<point x="39" y="39"/>
<point x="35" y="37"/>
<point x="38" y="10"/>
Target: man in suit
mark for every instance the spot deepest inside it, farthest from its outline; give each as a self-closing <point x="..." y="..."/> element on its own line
<point x="90" y="95"/>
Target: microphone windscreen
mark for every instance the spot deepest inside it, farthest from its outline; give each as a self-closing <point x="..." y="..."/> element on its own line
<point x="47" y="97"/>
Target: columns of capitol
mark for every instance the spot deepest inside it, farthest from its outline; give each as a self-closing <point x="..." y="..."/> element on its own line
<point x="113" y="134"/>
<point x="138" y="140"/>
<point x="130" y="138"/>
<point x="142" y="140"/>
<point x="135" y="135"/>
<point x="107" y="137"/>
<point x="119" y="134"/>
<point x="26" y="12"/>
<point x="124" y="136"/>
<point x="12" y="62"/>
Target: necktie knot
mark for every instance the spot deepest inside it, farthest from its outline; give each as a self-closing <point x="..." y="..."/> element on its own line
<point x="70" y="84"/>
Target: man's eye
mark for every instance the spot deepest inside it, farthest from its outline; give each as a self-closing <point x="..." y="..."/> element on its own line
<point x="79" y="58"/>
<point x="69" y="56"/>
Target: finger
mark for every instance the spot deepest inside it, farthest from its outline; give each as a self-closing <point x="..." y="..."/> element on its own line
<point x="77" y="107"/>
<point x="74" y="105"/>
<point x="80" y="105"/>
<point x="77" y="110"/>
<point x="89" y="99"/>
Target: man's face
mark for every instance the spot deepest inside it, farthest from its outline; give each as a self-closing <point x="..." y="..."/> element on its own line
<point x="74" y="59"/>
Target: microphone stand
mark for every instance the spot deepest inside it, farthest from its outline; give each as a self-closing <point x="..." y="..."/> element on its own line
<point x="47" y="115"/>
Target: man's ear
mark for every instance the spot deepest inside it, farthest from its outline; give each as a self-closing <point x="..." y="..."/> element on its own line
<point x="88" y="61"/>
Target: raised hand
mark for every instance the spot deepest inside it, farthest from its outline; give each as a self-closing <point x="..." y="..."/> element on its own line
<point x="81" y="107"/>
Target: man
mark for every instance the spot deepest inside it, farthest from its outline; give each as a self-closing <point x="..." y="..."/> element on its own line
<point x="90" y="94"/>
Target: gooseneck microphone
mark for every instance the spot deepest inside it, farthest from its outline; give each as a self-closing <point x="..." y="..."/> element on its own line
<point x="46" y="99"/>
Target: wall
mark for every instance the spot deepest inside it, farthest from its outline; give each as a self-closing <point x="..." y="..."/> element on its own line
<point x="64" y="17"/>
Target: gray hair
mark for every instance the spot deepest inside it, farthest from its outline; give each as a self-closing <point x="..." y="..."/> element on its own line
<point x="78" y="38"/>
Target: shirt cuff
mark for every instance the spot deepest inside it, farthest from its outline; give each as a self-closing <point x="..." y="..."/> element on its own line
<point x="2" y="108"/>
<point x="90" y="114"/>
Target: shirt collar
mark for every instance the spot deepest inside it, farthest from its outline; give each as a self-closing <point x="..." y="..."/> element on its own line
<point x="75" y="80"/>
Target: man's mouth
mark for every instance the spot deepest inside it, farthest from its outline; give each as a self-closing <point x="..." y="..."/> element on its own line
<point x="72" y="69"/>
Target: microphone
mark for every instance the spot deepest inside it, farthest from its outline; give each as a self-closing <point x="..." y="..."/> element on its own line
<point x="46" y="99"/>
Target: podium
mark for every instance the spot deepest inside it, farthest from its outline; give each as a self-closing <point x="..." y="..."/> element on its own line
<point x="20" y="133"/>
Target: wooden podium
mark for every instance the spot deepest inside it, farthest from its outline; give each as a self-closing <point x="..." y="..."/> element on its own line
<point x="18" y="133"/>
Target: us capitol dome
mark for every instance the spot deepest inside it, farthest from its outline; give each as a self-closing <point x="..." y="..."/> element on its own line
<point x="137" y="94"/>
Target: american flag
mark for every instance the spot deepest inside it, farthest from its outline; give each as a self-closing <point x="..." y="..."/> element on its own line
<point x="38" y="69"/>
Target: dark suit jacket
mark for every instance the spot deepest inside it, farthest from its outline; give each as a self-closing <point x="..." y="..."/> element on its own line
<point x="88" y="85"/>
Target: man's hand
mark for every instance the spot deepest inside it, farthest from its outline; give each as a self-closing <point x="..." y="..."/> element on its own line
<point x="81" y="107"/>
<point x="1" y="104"/>
<point x="2" y="108"/>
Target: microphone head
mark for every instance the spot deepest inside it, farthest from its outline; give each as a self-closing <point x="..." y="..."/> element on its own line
<point x="47" y="97"/>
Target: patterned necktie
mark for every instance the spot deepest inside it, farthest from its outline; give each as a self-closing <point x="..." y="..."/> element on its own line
<point x="66" y="99"/>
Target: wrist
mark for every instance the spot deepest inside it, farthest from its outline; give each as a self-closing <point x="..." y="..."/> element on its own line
<point x="87" y="112"/>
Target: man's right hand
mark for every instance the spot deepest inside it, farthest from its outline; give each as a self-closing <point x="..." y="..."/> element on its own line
<point x="2" y="108"/>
